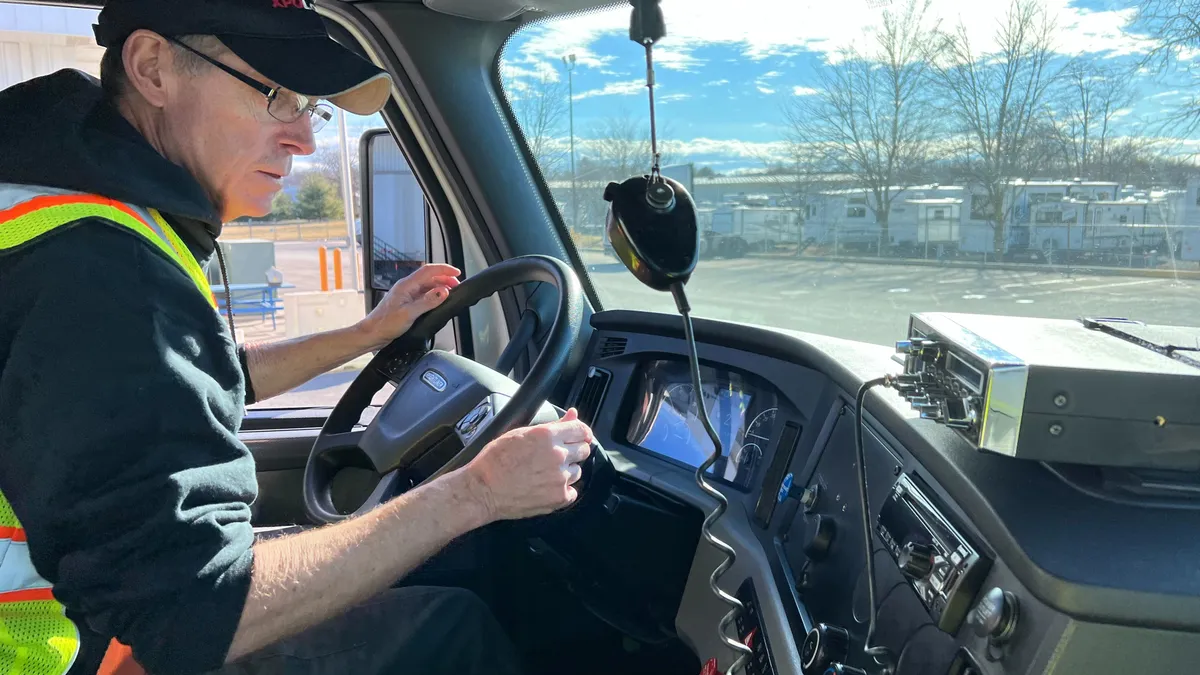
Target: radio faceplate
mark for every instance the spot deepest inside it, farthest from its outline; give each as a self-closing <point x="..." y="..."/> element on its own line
<point x="937" y="560"/>
<point x="1053" y="390"/>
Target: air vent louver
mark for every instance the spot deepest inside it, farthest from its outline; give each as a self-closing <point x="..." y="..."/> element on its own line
<point x="591" y="395"/>
<point x="613" y="346"/>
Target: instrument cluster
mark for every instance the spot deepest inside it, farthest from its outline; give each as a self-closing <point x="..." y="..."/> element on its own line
<point x="665" y="418"/>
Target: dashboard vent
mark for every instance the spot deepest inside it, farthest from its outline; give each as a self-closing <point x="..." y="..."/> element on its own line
<point x="613" y="346"/>
<point x="591" y="395"/>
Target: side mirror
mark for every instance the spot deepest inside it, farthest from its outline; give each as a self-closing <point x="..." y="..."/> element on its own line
<point x="394" y="232"/>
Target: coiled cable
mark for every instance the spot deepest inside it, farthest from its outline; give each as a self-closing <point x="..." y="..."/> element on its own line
<point x="736" y="606"/>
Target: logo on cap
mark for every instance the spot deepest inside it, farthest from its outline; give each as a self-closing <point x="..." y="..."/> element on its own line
<point x="291" y="4"/>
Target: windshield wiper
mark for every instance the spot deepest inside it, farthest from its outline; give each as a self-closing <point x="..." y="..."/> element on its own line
<point x="1163" y="340"/>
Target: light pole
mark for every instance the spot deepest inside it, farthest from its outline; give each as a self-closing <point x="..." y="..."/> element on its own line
<point x="569" y="63"/>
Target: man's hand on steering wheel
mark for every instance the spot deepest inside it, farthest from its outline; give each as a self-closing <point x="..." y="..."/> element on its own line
<point x="530" y="471"/>
<point x="411" y="297"/>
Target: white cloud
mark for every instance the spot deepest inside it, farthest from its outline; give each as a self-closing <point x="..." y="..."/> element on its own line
<point x="1165" y="94"/>
<point x="765" y="90"/>
<point x="627" y="88"/>
<point x="804" y="91"/>
<point x="672" y="97"/>
<point x="716" y="83"/>
<point x="772" y="74"/>
<point x="785" y="27"/>
<point x="675" y="60"/>
<point x="1123" y="112"/>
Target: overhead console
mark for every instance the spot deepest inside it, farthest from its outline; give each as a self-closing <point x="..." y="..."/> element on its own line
<point x="990" y="553"/>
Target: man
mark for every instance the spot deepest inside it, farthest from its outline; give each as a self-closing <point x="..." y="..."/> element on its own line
<point x="124" y="514"/>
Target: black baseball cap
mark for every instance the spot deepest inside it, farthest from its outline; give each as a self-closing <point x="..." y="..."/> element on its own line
<point x="285" y="40"/>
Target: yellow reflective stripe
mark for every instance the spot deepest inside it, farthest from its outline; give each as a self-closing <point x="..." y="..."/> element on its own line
<point x="7" y="517"/>
<point x="36" y="638"/>
<point x="184" y="255"/>
<point x="36" y="217"/>
<point x="34" y="224"/>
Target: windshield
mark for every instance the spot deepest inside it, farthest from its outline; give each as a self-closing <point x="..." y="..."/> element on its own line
<point x="855" y="162"/>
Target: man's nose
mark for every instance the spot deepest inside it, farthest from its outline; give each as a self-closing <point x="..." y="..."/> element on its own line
<point x="299" y="138"/>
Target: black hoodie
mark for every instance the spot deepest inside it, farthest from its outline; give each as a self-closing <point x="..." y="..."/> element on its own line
<point x="121" y="394"/>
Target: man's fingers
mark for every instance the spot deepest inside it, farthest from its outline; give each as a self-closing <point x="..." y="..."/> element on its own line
<point x="571" y="415"/>
<point x="431" y="270"/>
<point x="578" y="452"/>
<point x="434" y="298"/>
<point x="573" y="473"/>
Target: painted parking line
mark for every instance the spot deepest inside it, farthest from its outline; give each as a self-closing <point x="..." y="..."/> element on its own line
<point x="1081" y="289"/>
<point x="1043" y="282"/>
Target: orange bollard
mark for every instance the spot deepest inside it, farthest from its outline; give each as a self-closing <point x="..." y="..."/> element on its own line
<point x="324" y="270"/>
<point x="337" y="268"/>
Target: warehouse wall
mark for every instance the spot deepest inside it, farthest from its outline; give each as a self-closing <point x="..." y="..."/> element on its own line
<point x="37" y="41"/>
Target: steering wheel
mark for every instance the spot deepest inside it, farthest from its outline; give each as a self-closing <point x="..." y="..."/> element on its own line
<point x="445" y="407"/>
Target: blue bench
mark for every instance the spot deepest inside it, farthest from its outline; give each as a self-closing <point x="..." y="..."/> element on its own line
<point x="260" y="299"/>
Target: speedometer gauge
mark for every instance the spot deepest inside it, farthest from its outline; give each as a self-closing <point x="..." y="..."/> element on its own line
<point x="760" y="430"/>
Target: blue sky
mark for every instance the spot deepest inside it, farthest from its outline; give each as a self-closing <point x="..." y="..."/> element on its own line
<point x="723" y="76"/>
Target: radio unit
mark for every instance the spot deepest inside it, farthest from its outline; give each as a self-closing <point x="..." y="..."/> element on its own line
<point x="941" y="565"/>
<point x="1106" y="392"/>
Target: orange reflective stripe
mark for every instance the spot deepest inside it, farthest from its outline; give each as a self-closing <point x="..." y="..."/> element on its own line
<point x="27" y="595"/>
<point x="64" y="209"/>
<point x="118" y="660"/>
<point x="13" y="533"/>
<point x="44" y="201"/>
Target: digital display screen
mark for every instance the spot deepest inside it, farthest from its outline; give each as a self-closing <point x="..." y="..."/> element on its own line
<point x="667" y="421"/>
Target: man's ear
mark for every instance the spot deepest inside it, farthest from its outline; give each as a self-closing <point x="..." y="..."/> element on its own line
<point x="147" y="57"/>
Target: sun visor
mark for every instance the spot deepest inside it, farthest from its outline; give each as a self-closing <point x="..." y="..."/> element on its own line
<point x="502" y="10"/>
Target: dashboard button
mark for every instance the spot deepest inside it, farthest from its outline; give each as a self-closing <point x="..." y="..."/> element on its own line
<point x="996" y="615"/>
<point x="916" y="560"/>
<point x="819" y="537"/>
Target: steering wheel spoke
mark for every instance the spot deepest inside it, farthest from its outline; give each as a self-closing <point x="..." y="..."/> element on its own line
<point x="391" y="485"/>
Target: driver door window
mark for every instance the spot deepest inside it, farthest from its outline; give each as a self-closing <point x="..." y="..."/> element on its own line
<point x="300" y="269"/>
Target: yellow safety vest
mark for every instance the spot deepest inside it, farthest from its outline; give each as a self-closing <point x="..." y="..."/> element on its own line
<point x="36" y="637"/>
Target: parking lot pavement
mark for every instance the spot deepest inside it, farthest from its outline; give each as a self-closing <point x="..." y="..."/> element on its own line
<point x="872" y="302"/>
<point x="852" y="300"/>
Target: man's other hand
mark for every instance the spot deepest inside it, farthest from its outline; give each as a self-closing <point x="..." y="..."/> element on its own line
<point x="531" y="471"/>
<point x="413" y="296"/>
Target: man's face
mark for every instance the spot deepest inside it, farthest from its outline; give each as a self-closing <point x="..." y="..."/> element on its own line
<point x="220" y="130"/>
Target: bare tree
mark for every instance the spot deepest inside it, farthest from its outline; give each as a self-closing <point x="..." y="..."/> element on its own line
<point x="872" y="115"/>
<point x="620" y="147"/>
<point x="541" y="109"/>
<point x="1091" y="98"/>
<point x="997" y="101"/>
<point x="1173" y="29"/>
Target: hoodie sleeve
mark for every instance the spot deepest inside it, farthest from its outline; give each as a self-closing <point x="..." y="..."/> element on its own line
<point x="122" y="396"/>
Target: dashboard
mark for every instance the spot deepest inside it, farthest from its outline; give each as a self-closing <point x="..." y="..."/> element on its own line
<point x="982" y="564"/>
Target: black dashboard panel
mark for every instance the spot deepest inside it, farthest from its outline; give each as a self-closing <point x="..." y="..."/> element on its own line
<point x="1087" y="573"/>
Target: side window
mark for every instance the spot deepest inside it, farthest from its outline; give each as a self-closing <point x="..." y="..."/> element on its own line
<point x="307" y="256"/>
<point x="298" y="270"/>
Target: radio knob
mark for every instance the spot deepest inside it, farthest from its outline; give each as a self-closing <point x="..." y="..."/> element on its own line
<point x="824" y="647"/>
<point x="820" y="533"/>
<point x="995" y="617"/>
<point x="916" y="560"/>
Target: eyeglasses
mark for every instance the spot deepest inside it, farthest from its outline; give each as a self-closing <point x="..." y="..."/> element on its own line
<point x="282" y="104"/>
